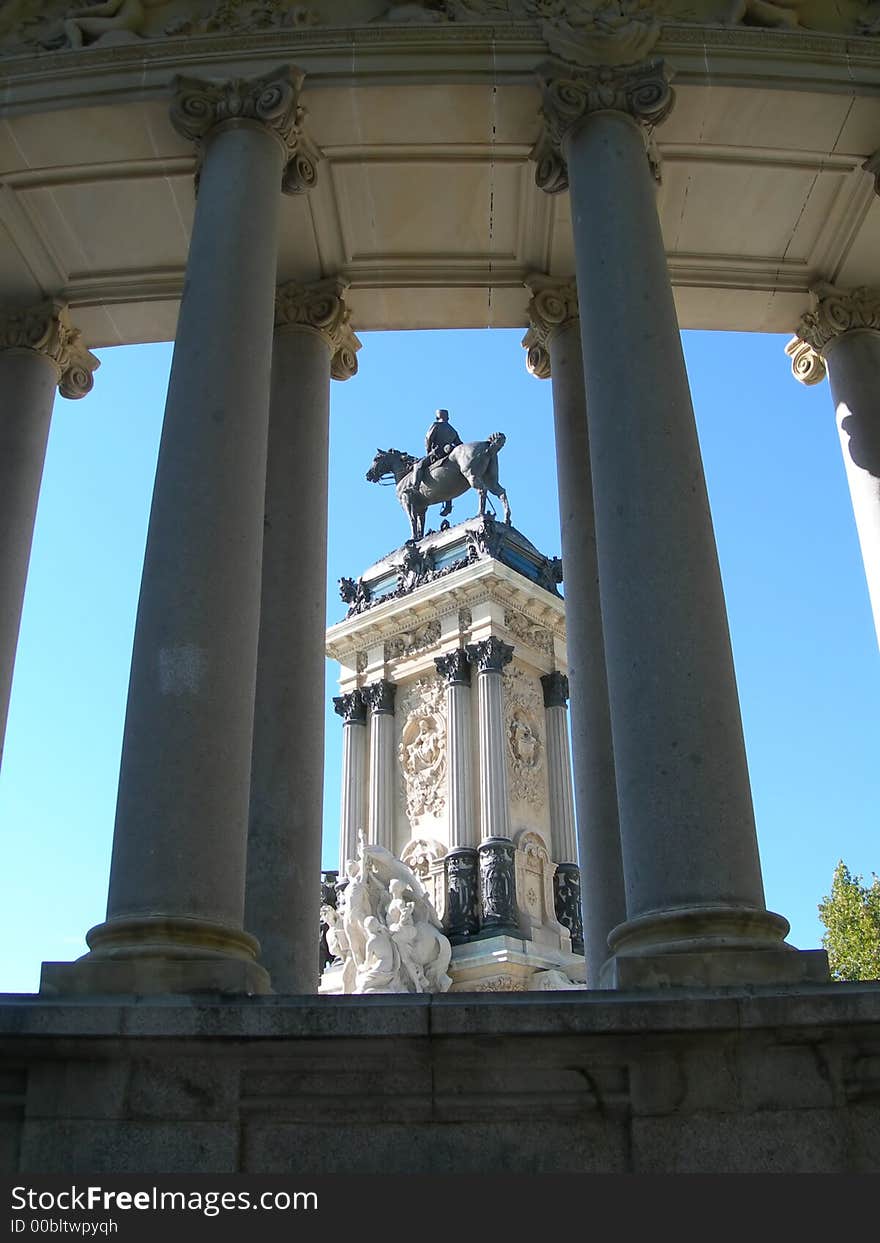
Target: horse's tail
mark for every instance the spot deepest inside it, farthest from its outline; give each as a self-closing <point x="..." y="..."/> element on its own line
<point x="497" y="441"/>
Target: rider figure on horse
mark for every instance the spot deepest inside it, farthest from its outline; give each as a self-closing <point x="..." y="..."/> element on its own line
<point x="440" y="438"/>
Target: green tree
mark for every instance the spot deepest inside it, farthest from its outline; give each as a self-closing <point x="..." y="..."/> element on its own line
<point x="851" y="916"/>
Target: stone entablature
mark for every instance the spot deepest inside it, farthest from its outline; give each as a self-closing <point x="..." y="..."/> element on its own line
<point x="605" y="31"/>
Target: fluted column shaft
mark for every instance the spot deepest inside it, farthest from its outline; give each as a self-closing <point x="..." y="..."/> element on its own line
<point x="380" y="699"/>
<point x="843" y="335"/>
<point x="556" y="350"/>
<point x="455" y="669"/>
<point x="177" y="882"/>
<point x="286" y="800"/>
<point x="353" y="818"/>
<point x="689" y="846"/>
<point x="38" y="351"/>
<point x="489" y="658"/>
<point x="559" y="784"/>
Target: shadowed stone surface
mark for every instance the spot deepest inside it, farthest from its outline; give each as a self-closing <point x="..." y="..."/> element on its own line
<point x="680" y="1081"/>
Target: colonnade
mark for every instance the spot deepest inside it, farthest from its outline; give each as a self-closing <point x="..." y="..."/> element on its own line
<point x="218" y="825"/>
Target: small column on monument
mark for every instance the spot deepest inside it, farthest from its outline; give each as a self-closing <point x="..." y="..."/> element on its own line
<point x="313" y="341"/>
<point x="177" y="883"/>
<point x="842" y="336"/>
<point x="566" y="878"/>
<point x="489" y="658"/>
<point x="353" y="710"/>
<point x="554" y="349"/>
<point x="379" y="698"/>
<point x="561" y="798"/>
<point x="694" y="891"/>
<point x="455" y="670"/>
<point x="40" y="351"/>
<point x="460" y="863"/>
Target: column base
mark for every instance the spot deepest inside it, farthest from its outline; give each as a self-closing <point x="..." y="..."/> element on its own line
<point x="715" y="969"/>
<point x="159" y="954"/>
<point x="150" y="976"/>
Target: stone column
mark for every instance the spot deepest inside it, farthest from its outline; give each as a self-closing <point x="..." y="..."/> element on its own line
<point x="40" y="351"/>
<point x="554" y="349"/>
<point x="695" y="902"/>
<point x="379" y="697"/>
<point x="561" y="798"/>
<point x="353" y="710"/>
<point x="177" y="881"/>
<point x="842" y="336"/>
<point x="490" y="656"/>
<point x="313" y="340"/>
<point x="455" y="670"/>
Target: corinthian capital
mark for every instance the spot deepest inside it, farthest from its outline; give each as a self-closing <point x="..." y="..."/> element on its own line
<point x="321" y="308"/>
<point x="490" y="655"/>
<point x="272" y="101"/>
<point x="569" y="93"/>
<point x="835" y="312"/>
<point x="553" y="306"/>
<point x="46" y="329"/>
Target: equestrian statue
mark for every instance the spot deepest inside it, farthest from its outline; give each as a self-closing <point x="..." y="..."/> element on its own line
<point x="447" y="470"/>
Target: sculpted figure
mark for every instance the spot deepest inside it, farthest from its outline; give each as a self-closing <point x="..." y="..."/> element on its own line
<point x="380" y="970"/>
<point x="447" y="471"/>
<point x="86" y="25"/>
<point x="440" y="439"/>
<point x="523" y="740"/>
<point x="387" y="933"/>
<point x="765" y="12"/>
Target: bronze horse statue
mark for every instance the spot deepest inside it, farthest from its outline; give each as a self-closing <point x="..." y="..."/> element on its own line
<point x="473" y="465"/>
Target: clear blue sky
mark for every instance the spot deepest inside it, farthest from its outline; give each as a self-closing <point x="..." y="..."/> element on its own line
<point x="806" y="656"/>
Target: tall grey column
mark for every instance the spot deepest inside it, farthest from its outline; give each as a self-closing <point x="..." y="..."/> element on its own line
<point x="454" y="668"/>
<point x="40" y="351"/>
<point x="842" y="334"/>
<point x="489" y="657"/>
<point x="554" y="349"/>
<point x="177" y="881"/>
<point x="353" y="820"/>
<point x="313" y="340"/>
<point x="689" y="847"/>
<point x="379" y="697"/>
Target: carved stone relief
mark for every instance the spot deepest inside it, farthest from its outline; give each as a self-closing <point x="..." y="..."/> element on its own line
<point x="524" y="736"/>
<point x="411" y="642"/>
<point x="586" y="31"/>
<point x="422" y="750"/>
<point x="425" y="855"/>
<point x="530" y="632"/>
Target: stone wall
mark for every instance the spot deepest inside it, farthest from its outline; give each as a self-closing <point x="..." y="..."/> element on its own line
<point x="770" y="1081"/>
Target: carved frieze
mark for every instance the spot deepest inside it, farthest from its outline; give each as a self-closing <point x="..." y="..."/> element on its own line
<point x="411" y="642"/>
<point x="586" y="31"/>
<point x="836" y="311"/>
<point x="570" y="93"/>
<point x="422" y="748"/>
<point x="523" y="709"/>
<point x="528" y="631"/>
<point x="320" y="308"/>
<point x="46" y="329"/>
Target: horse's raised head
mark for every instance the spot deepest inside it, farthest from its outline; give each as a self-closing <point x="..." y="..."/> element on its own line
<point x="378" y="466"/>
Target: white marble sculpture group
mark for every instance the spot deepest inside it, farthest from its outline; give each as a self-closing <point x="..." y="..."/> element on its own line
<point x="386" y="932"/>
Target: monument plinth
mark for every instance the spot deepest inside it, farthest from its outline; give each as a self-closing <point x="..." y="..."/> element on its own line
<point x="456" y="758"/>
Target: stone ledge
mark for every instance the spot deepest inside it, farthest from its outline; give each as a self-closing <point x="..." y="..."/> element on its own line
<point x="550" y="1013"/>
